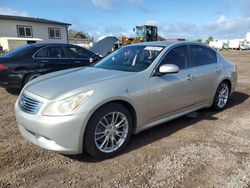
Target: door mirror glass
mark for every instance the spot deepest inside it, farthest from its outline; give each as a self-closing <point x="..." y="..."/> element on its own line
<point x="168" y="69"/>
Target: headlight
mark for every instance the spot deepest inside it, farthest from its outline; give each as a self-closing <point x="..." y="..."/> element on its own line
<point x="67" y="106"/>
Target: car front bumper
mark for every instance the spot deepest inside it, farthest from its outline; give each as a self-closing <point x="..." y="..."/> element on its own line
<point x="62" y="134"/>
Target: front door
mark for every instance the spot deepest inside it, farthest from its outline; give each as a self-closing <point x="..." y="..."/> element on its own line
<point x="171" y="92"/>
<point x="78" y="56"/>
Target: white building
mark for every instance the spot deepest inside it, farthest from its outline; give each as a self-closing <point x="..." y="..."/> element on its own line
<point x="248" y="37"/>
<point x="16" y="31"/>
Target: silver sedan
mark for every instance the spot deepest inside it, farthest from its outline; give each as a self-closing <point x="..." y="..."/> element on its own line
<point x="97" y="109"/>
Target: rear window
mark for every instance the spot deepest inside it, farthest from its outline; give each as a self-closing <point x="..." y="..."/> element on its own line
<point x="203" y="55"/>
<point x="18" y="52"/>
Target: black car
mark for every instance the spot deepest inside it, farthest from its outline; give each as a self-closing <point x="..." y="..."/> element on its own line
<point x="28" y="62"/>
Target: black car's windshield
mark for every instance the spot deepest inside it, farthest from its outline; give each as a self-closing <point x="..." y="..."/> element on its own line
<point x="19" y="51"/>
<point x="130" y="58"/>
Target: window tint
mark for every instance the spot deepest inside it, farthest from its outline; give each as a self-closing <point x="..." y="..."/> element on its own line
<point x="178" y="56"/>
<point x="21" y="51"/>
<point x="77" y="52"/>
<point x="203" y="55"/>
<point x="51" y="52"/>
<point x="43" y="53"/>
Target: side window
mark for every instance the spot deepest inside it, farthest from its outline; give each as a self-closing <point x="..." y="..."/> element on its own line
<point x="178" y="56"/>
<point x="203" y="56"/>
<point x="51" y="52"/>
<point x="77" y="52"/>
<point x="42" y="53"/>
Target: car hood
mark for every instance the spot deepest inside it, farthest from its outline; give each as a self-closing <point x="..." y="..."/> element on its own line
<point x="60" y="83"/>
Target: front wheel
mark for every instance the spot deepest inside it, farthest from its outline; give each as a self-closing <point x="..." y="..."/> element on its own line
<point x="108" y="131"/>
<point x="221" y="96"/>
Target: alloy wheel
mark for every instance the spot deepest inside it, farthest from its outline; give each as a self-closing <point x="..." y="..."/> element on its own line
<point x="222" y="95"/>
<point x="111" y="132"/>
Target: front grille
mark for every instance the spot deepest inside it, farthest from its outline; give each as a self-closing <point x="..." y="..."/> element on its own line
<point x="29" y="105"/>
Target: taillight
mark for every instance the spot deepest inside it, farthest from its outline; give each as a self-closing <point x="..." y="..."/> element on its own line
<point x="3" y="67"/>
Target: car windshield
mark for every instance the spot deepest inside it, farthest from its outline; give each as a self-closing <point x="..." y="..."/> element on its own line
<point x="130" y="58"/>
<point x="18" y="51"/>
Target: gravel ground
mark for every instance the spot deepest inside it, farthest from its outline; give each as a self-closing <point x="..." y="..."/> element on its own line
<point x="205" y="149"/>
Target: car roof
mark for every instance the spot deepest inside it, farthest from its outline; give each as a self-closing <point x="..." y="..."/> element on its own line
<point x="47" y="44"/>
<point x="159" y="43"/>
<point x="170" y="42"/>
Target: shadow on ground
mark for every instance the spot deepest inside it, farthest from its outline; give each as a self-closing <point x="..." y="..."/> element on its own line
<point x="166" y="129"/>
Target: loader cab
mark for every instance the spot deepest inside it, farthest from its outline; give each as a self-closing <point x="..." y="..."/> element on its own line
<point x="147" y="33"/>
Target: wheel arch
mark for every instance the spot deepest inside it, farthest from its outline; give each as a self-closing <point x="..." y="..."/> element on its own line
<point x="27" y="75"/>
<point x="228" y="81"/>
<point x="122" y="102"/>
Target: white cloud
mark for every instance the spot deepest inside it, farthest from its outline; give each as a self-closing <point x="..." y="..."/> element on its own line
<point x="108" y="5"/>
<point x="151" y="22"/>
<point x="9" y="11"/>
<point x="103" y="4"/>
<point x="245" y="5"/>
<point x="229" y="28"/>
<point x="223" y="27"/>
<point x="140" y="5"/>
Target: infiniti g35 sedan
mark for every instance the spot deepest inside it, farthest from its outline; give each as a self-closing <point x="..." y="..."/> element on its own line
<point x="96" y="109"/>
<point x="23" y="64"/>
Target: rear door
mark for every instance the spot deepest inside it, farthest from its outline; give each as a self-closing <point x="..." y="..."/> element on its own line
<point x="208" y="72"/>
<point x="52" y="58"/>
<point x="172" y="92"/>
<point x="78" y="56"/>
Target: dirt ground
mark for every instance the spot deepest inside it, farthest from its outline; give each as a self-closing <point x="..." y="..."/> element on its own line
<point x="209" y="149"/>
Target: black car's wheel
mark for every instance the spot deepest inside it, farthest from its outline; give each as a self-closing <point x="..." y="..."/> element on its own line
<point x="221" y="96"/>
<point x="30" y="77"/>
<point x="108" y="131"/>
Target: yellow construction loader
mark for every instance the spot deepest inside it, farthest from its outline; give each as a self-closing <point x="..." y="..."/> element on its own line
<point x="144" y="33"/>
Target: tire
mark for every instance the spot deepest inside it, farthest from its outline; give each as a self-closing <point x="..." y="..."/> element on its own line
<point x="104" y="139"/>
<point x="30" y="77"/>
<point x="221" y="96"/>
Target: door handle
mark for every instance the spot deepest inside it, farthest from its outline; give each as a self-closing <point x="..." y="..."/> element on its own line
<point x="77" y="61"/>
<point x="190" y="77"/>
<point x="44" y="61"/>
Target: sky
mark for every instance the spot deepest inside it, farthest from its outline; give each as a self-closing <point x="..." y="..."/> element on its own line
<point x="190" y="19"/>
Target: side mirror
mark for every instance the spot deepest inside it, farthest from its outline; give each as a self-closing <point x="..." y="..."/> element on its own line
<point x="168" y="69"/>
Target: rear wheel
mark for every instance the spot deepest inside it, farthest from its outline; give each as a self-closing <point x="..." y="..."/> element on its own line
<point x="221" y="96"/>
<point x="108" y="131"/>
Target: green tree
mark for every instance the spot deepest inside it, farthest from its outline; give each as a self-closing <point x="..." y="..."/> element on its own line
<point x="209" y="39"/>
<point x="78" y="34"/>
<point x="198" y="40"/>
